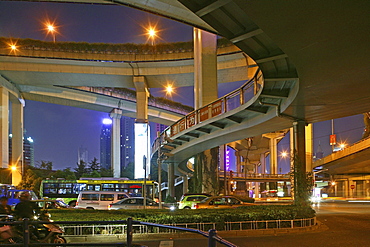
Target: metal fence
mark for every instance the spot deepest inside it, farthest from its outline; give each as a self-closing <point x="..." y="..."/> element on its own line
<point x="116" y="229"/>
<point x="127" y="227"/>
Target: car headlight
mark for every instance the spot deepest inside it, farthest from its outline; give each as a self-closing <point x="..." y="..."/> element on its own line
<point x="172" y="208"/>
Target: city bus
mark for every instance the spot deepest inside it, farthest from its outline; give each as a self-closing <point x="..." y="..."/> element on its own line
<point x="68" y="190"/>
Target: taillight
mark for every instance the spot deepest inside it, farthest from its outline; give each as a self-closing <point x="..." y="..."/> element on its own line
<point x="196" y="206"/>
<point x="109" y="206"/>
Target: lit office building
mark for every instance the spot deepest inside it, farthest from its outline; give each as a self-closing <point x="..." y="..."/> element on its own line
<point x="105" y="144"/>
<point x="28" y="151"/>
<point x="127" y="141"/>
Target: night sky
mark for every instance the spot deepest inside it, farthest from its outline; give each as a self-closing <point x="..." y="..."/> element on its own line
<point x="58" y="131"/>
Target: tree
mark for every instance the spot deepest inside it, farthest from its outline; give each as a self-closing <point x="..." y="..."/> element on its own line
<point x="66" y="173"/>
<point x="81" y="169"/>
<point x="46" y="165"/>
<point x="94" y="165"/>
<point x="30" y="181"/>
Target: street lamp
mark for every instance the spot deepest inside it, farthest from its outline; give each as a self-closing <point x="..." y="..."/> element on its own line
<point x="50" y="28"/>
<point x="152" y="33"/>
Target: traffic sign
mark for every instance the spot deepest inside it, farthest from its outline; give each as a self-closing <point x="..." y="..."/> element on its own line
<point x="352" y="186"/>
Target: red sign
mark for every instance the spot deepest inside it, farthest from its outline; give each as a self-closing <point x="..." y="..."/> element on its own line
<point x="352" y="186"/>
<point x="190" y="120"/>
<point x="333" y="139"/>
<point x="204" y="115"/>
<point x="216" y="108"/>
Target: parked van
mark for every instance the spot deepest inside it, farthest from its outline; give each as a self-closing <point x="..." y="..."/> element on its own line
<point x="98" y="199"/>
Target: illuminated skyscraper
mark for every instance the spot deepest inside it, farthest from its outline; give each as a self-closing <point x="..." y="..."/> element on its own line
<point x="127" y="141"/>
<point x="105" y="144"/>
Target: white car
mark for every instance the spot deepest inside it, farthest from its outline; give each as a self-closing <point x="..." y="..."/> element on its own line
<point x="134" y="203"/>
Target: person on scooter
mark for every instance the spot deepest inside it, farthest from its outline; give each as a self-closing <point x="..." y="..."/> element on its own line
<point x="4" y="207"/>
<point x="25" y="208"/>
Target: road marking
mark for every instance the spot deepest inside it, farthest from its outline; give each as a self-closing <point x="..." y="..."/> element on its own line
<point x="166" y="244"/>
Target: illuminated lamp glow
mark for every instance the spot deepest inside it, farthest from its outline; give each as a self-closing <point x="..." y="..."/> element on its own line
<point x="29" y="139"/>
<point x="107" y="121"/>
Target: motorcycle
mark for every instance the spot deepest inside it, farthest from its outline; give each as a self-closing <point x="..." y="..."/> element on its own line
<point x="49" y="232"/>
<point x="6" y="233"/>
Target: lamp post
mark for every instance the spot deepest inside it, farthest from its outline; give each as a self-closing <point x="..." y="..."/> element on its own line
<point x="152" y="33"/>
<point x="51" y="29"/>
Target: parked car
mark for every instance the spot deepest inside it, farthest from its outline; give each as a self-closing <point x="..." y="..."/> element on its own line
<point x="50" y="204"/>
<point x="219" y="202"/>
<point x="134" y="203"/>
<point x="188" y="200"/>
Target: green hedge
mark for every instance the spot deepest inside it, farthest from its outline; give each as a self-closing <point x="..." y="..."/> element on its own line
<point x="248" y="213"/>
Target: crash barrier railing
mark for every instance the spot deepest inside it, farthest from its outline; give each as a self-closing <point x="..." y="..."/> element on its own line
<point x="116" y="229"/>
<point x="212" y="236"/>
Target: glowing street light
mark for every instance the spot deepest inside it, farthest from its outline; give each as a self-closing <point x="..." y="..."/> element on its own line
<point x="50" y="28"/>
<point x="152" y="33"/>
<point x="169" y="89"/>
<point x="13" y="168"/>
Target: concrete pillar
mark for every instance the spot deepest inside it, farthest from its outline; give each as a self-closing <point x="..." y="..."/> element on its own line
<point x="185" y="184"/>
<point x="4" y="127"/>
<point x="171" y="179"/>
<point x="17" y="140"/>
<point x="263" y="163"/>
<point x="205" y="68"/>
<point x="142" y="94"/>
<point x="142" y="136"/>
<point x="299" y="138"/>
<point x="309" y="147"/>
<point x="116" y="115"/>
<point x="273" y="156"/>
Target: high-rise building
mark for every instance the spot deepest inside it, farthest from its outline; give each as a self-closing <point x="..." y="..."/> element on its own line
<point x="127" y="141"/>
<point x="83" y="155"/>
<point x="105" y="144"/>
<point x="28" y="151"/>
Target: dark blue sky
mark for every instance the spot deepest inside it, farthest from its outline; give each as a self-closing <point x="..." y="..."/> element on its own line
<point x="58" y="131"/>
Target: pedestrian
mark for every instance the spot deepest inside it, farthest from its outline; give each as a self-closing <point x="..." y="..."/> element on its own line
<point x="4" y="207"/>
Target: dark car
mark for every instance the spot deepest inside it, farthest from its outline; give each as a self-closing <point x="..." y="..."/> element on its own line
<point x="50" y="204"/>
<point x="219" y="202"/>
<point x="134" y="203"/>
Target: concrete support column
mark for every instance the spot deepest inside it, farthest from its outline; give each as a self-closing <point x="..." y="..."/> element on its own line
<point x="263" y="163"/>
<point x="205" y="68"/>
<point x="142" y="136"/>
<point x="185" y="184"/>
<point x="4" y="127"/>
<point x="17" y="141"/>
<point x="257" y="190"/>
<point x="273" y="156"/>
<point x="171" y="179"/>
<point x="309" y="147"/>
<point x="142" y="94"/>
<point x="299" y="139"/>
<point x="116" y="115"/>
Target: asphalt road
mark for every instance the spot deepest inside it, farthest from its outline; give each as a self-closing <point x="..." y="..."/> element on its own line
<point x="343" y="224"/>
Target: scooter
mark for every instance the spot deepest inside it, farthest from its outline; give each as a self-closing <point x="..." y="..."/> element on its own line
<point x="6" y="233"/>
<point x="49" y="232"/>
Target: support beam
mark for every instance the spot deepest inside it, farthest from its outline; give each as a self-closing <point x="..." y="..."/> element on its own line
<point x="4" y="127"/>
<point x="205" y="68"/>
<point x="17" y="140"/>
<point x="212" y="7"/>
<point x="116" y="115"/>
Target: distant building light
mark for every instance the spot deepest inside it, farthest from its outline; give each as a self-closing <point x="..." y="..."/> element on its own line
<point x="29" y="139"/>
<point x="107" y="121"/>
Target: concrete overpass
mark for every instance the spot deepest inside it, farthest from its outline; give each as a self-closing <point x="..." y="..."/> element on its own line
<point x="323" y="64"/>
